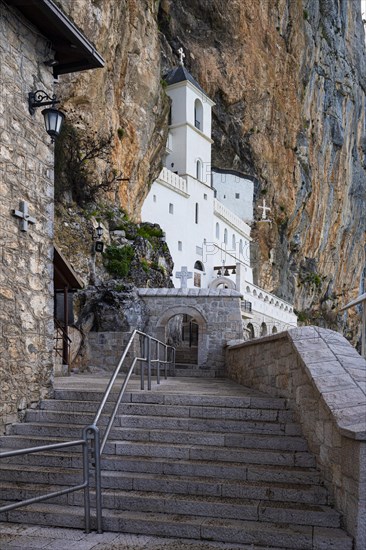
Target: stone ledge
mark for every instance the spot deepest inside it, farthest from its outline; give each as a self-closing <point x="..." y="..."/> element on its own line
<point x="324" y="355"/>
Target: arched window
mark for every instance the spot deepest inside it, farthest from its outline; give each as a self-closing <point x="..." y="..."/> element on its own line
<point x="225" y="236"/>
<point x="198" y="265"/>
<point x="233" y="243"/>
<point x="241" y="250"/>
<point x="217" y="230"/>
<point x="274" y="330"/>
<point x="263" y="329"/>
<point x="198" y="115"/>
<point x="250" y="330"/>
<point x="196" y="213"/>
<point x="199" y="169"/>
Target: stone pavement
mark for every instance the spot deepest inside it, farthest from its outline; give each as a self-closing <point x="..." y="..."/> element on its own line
<point x="14" y="536"/>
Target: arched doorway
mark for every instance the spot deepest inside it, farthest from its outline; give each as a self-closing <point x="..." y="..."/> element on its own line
<point x="182" y="333"/>
<point x="264" y="330"/>
<point x="189" y="320"/>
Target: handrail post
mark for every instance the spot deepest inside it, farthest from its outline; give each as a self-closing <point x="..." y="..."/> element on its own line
<point x="143" y="363"/>
<point x="149" y="363"/>
<point x="87" y="481"/>
<point x="98" y="480"/>
<point x="166" y="361"/>
<point x="158" y="362"/>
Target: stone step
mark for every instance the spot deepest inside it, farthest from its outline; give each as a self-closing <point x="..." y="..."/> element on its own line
<point x="176" y="423"/>
<point x="197" y="505"/>
<point x="214" y="453"/>
<point x="161" y="398"/>
<point x="257" y="441"/>
<point x="163" y="483"/>
<point x="164" y="466"/>
<point x="176" y="451"/>
<point x="186" y="526"/>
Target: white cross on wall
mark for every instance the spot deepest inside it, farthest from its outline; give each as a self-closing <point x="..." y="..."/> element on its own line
<point x="184" y="275"/>
<point x="264" y="208"/>
<point x="181" y="56"/>
<point x="23" y="214"/>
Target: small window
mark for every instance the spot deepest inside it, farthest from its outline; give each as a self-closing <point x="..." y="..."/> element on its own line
<point x="180" y="246"/>
<point x="198" y="115"/>
<point x="217" y="230"/>
<point x="196" y="213"/>
<point x="199" y="170"/>
<point x="233" y="242"/>
<point x="224" y="196"/>
<point x="225" y="236"/>
<point x="171" y="208"/>
<point x="205" y="196"/>
<point x="154" y="198"/>
<point x="199" y="265"/>
<point x="237" y="195"/>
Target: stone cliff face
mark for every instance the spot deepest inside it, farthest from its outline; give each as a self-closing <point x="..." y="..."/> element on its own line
<point x="126" y="96"/>
<point x="288" y="79"/>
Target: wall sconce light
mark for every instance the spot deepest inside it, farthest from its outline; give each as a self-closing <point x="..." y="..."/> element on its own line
<point x="53" y="118"/>
<point x="99" y="231"/>
<point x="99" y="245"/>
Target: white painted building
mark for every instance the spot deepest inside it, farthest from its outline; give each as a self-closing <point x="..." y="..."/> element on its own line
<point x="206" y="213"/>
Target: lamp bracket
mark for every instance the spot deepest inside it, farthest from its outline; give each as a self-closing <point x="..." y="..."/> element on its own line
<point x="40" y="98"/>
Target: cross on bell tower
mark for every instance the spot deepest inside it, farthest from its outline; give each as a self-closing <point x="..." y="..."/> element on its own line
<point x="181" y="56"/>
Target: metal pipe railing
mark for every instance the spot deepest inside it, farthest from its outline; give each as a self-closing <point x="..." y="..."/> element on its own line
<point x="91" y="433"/>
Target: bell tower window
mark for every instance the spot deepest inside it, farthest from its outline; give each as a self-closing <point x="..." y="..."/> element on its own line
<point x="199" y="170"/>
<point x="198" y="115"/>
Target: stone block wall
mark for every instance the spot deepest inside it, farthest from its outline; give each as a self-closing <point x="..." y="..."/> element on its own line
<point x="324" y="380"/>
<point x="217" y="313"/>
<point x="26" y="173"/>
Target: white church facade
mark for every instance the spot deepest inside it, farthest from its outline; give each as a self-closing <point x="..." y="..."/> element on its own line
<point x="205" y="212"/>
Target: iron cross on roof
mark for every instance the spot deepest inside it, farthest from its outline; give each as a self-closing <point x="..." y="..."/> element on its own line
<point x="23" y="214"/>
<point x="184" y="275"/>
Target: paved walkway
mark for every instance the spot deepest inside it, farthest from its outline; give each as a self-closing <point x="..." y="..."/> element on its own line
<point x="15" y="536"/>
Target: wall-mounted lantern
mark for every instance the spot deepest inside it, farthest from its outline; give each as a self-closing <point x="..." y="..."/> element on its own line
<point x="53" y="118"/>
<point x="99" y="245"/>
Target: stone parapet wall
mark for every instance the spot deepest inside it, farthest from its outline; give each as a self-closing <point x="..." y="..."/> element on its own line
<point x="26" y="174"/>
<point x="324" y="380"/>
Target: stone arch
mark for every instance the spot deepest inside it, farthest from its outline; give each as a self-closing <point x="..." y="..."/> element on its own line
<point x="199" y="265"/>
<point x="248" y="289"/>
<point x="274" y="329"/>
<point x="203" y="344"/>
<point x="224" y="282"/>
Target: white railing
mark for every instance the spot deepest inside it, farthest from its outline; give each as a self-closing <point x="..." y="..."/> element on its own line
<point x="255" y="294"/>
<point x="231" y="218"/>
<point x="173" y="180"/>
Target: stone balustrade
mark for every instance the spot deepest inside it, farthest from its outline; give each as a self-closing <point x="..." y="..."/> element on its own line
<point x="231" y="218"/>
<point x="173" y="180"/>
<point x="268" y="304"/>
<point x="324" y="379"/>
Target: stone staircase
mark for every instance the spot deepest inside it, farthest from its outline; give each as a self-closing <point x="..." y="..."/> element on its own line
<point x="200" y="459"/>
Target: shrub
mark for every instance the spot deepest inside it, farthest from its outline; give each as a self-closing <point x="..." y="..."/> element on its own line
<point x="117" y="260"/>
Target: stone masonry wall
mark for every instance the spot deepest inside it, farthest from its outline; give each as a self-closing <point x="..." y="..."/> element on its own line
<point x="217" y="313"/>
<point x="26" y="173"/>
<point x="324" y="379"/>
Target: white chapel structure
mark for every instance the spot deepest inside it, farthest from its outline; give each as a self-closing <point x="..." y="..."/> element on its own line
<point x="205" y="212"/>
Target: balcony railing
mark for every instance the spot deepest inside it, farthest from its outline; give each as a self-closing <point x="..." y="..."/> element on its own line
<point x="173" y="180"/>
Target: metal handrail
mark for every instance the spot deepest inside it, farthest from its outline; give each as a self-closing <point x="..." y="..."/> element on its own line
<point x="91" y="433"/>
<point x="148" y="359"/>
<point x="84" y="485"/>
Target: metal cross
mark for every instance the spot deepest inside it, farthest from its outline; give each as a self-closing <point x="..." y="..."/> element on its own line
<point x="264" y="208"/>
<point x="23" y="214"/>
<point x="184" y="275"/>
<point x="181" y="56"/>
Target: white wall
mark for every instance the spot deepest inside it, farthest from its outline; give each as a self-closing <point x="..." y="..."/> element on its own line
<point x="228" y="186"/>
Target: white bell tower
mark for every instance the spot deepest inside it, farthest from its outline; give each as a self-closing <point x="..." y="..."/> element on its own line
<point x="189" y="141"/>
